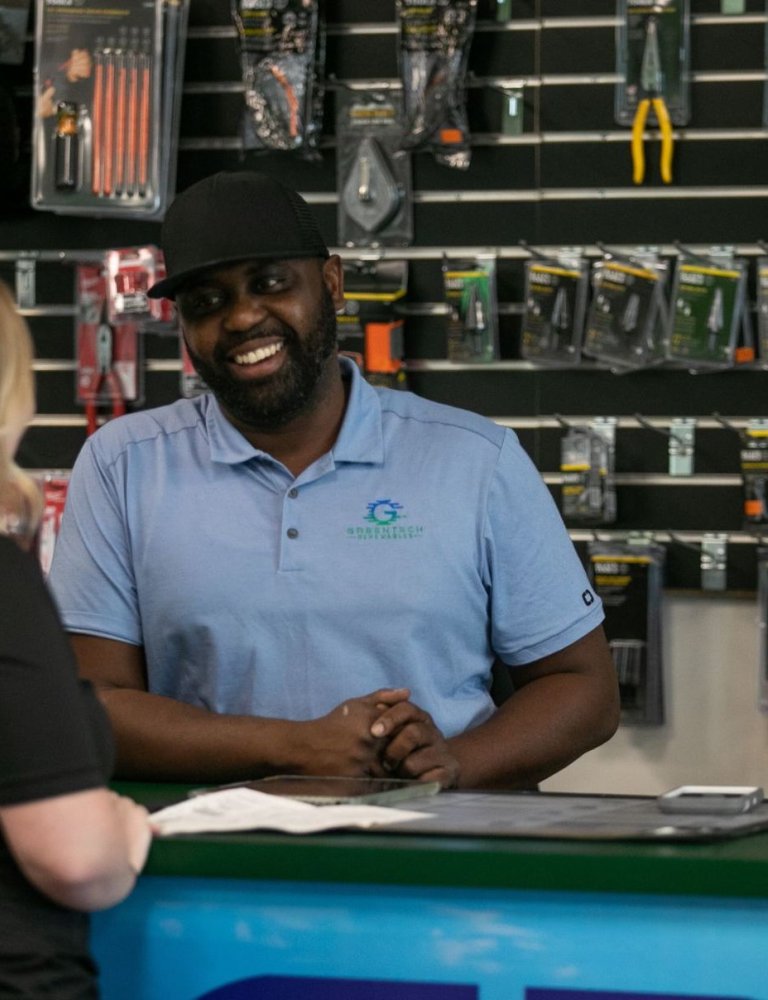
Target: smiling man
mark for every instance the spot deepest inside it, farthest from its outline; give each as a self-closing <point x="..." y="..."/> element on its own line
<point x="300" y="573"/>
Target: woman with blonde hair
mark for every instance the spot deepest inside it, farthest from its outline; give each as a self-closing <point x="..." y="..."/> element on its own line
<point x="67" y="843"/>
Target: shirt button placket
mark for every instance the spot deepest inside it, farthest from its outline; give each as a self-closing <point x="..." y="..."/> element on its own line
<point x="289" y="552"/>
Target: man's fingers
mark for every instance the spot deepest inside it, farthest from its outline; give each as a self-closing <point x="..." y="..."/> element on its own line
<point x="397" y="716"/>
<point x="411" y="737"/>
<point x="385" y="697"/>
<point x="431" y="763"/>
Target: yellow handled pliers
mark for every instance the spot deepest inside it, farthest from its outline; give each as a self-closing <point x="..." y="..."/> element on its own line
<point x="651" y="96"/>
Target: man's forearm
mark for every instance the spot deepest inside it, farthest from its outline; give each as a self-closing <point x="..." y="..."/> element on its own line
<point x="160" y="739"/>
<point x="540" y="729"/>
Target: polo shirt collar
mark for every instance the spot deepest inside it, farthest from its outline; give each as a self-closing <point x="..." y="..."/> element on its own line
<point x="360" y="439"/>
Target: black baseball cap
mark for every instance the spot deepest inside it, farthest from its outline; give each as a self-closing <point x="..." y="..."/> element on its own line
<point x="231" y="217"/>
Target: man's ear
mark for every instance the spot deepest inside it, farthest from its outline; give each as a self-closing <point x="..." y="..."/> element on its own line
<point x="333" y="276"/>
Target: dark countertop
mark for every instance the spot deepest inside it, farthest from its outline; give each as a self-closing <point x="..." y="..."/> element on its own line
<point x="736" y="867"/>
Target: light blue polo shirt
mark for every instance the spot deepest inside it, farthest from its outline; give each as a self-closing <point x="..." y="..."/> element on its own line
<point x="422" y="545"/>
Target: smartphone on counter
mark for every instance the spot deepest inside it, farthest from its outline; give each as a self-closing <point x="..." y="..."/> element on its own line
<point x="711" y="799"/>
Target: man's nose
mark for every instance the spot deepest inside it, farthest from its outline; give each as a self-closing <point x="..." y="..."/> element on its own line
<point x="245" y="311"/>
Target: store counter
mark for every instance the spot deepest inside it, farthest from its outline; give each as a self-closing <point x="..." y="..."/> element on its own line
<point x="393" y="916"/>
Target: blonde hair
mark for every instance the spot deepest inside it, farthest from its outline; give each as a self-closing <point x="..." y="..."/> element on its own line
<point x="20" y="496"/>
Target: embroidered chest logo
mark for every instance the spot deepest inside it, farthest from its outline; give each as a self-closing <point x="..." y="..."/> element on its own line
<point x="384" y="512"/>
<point x="384" y="521"/>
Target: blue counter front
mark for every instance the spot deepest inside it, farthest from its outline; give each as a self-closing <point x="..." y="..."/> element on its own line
<point x="395" y="917"/>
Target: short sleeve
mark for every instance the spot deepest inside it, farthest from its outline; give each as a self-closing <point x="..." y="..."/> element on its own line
<point x="91" y="573"/>
<point x="541" y="598"/>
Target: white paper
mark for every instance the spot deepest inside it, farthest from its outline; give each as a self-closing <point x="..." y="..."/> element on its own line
<point x="246" y="809"/>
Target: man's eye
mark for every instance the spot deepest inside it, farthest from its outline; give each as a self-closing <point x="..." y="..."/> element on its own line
<point x="267" y="283"/>
<point x="200" y="303"/>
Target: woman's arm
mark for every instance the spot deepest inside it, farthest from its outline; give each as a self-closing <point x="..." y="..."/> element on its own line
<point x="82" y="850"/>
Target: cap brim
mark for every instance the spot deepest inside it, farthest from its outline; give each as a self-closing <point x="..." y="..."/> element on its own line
<point x="169" y="287"/>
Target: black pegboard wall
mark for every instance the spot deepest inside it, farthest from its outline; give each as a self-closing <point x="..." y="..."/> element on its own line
<point x="565" y="180"/>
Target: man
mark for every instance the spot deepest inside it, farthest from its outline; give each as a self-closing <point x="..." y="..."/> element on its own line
<point x="300" y="573"/>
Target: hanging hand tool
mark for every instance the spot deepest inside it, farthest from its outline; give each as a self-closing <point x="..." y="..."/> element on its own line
<point x="145" y="82"/>
<point x="97" y="136"/>
<point x="106" y="380"/>
<point x="121" y="111"/>
<point x="133" y="122"/>
<point x="651" y="94"/>
<point x="108" y="151"/>
<point x="371" y="195"/>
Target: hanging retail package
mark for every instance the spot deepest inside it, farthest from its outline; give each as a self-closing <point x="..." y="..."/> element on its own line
<point x="107" y="86"/>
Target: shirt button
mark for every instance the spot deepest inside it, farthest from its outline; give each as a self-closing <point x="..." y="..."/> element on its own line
<point x="292" y="532"/>
<point x="293" y="493"/>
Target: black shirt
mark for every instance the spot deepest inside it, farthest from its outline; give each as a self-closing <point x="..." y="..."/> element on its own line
<point x="54" y="739"/>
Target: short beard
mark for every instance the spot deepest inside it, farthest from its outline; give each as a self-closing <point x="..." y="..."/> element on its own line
<point x="270" y="405"/>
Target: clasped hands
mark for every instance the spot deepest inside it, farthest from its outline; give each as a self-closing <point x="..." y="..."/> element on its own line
<point x="382" y="734"/>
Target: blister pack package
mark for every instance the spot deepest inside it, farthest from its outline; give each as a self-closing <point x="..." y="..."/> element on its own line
<point x="107" y="91"/>
<point x="282" y="52"/>
<point x="435" y="36"/>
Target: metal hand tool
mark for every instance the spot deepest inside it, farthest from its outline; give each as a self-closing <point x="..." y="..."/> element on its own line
<point x="106" y="381"/>
<point x="651" y="95"/>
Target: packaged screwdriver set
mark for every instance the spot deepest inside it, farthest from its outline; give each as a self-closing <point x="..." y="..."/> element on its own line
<point x="107" y="83"/>
<point x="555" y="302"/>
<point x="628" y="577"/>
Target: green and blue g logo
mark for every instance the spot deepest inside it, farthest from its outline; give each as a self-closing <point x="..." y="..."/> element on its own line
<point x="384" y="512"/>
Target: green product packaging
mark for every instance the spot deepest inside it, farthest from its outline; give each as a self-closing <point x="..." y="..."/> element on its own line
<point x="470" y="293"/>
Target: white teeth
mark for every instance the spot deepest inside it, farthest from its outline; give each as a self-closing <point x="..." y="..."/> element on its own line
<point x="254" y="357"/>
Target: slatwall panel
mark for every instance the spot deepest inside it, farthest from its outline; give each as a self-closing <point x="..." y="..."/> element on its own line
<point x="565" y="180"/>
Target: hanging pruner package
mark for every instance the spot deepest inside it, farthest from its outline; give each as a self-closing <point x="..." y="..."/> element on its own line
<point x="281" y="55"/>
<point x="373" y="171"/>
<point x="107" y="84"/>
<point x="435" y="36"/>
